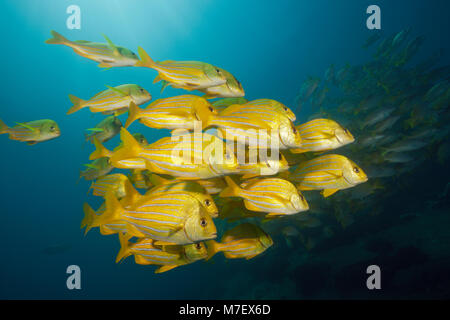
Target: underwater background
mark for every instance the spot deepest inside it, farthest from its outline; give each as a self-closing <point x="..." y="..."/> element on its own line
<point x="272" y="48"/>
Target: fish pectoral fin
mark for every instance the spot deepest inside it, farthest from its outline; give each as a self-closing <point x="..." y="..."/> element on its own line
<point x="165" y="268"/>
<point x="298" y="150"/>
<point x="118" y="91"/>
<point x="328" y="192"/>
<point x="112" y="45"/>
<point x="251" y="256"/>
<point x="249" y="176"/>
<point x="31" y="143"/>
<point x="105" y="65"/>
<point x="210" y="96"/>
<point x="96" y="129"/>
<point x="303" y="188"/>
<point x="27" y="126"/>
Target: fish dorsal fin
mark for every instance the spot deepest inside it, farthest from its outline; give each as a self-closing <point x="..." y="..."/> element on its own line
<point x="27" y="126"/>
<point x="96" y="129"/>
<point x="111" y="44"/>
<point x="230" y="109"/>
<point x="118" y="91"/>
<point x="89" y="165"/>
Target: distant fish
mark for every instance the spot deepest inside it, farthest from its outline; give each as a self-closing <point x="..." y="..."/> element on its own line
<point x="96" y="169"/>
<point x="32" y="132"/>
<point x="221" y="104"/>
<point x="114" y="100"/>
<point x="108" y="54"/>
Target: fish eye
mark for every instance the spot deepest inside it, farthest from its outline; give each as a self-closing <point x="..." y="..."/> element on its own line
<point x="294" y="129"/>
<point x="203" y="222"/>
<point x="217" y="70"/>
<point x="285" y="108"/>
<point x="302" y="197"/>
<point x="211" y="109"/>
<point x="52" y="128"/>
<point x="142" y="90"/>
<point x="207" y="202"/>
<point x="356" y="169"/>
<point x="198" y="246"/>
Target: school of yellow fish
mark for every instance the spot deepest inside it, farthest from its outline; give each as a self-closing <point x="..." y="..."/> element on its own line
<point x="216" y="157"/>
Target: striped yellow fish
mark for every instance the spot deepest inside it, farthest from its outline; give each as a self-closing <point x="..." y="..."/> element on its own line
<point x="272" y="195"/>
<point x="243" y="241"/>
<point x="108" y="54"/>
<point x="188" y="75"/>
<point x="110" y="183"/>
<point x="190" y="187"/>
<point x="115" y="100"/>
<point x="222" y="104"/>
<point x="322" y="135"/>
<point x="178" y="112"/>
<point x="169" y="218"/>
<point x="232" y="88"/>
<point x="256" y="126"/>
<point x="329" y="173"/>
<point x="146" y="253"/>
<point x="32" y="132"/>
<point x="191" y="156"/>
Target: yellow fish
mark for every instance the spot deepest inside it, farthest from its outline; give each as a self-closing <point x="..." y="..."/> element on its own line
<point x="110" y="183"/>
<point x="322" y="135"/>
<point x="191" y="156"/>
<point x="32" y="132"/>
<point x="178" y="112"/>
<point x="231" y="89"/>
<point x="146" y="253"/>
<point x="188" y="75"/>
<point x="96" y="169"/>
<point x="108" y="54"/>
<point x="169" y="218"/>
<point x="191" y="187"/>
<point x="114" y="100"/>
<point x="222" y="104"/>
<point x="272" y="195"/>
<point x="329" y="173"/>
<point x="243" y="241"/>
<point x="256" y="126"/>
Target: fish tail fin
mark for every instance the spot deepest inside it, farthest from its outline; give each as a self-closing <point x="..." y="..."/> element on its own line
<point x="3" y="127"/>
<point x="212" y="247"/>
<point x="57" y="38"/>
<point x="78" y="104"/>
<point x="89" y="215"/>
<point x="112" y="211"/>
<point x="124" y="251"/>
<point x="145" y="60"/>
<point x="130" y="149"/>
<point x="100" y="151"/>
<point x="232" y="189"/>
<point x="134" y="113"/>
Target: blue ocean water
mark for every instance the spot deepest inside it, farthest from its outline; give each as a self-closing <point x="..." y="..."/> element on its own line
<point x="270" y="46"/>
